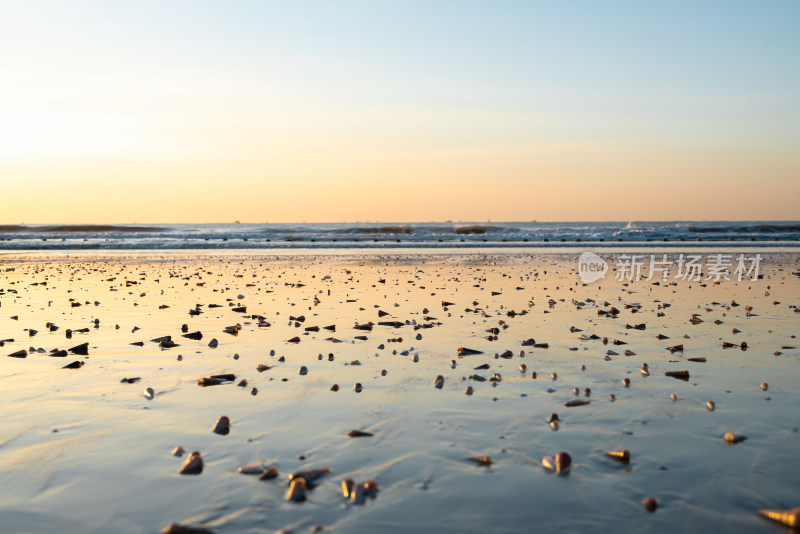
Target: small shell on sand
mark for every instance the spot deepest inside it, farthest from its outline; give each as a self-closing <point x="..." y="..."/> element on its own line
<point x="193" y="464"/>
<point x="650" y="504"/>
<point x="764" y="386"/>
<point x="223" y="426"/>
<point x="251" y="469"/>
<point x="357" y="387"/>
<point x="626" y="382"/>
<point x="560" y="463"/>
<point x="270" y="473"/>
<point x="731" y="438"/>
<point x="620" y="456"/>
<point x="149" y="394"/>
<point x="178" y="451"/>
<point x="577" y="402"/>
<point x="673" y="397"/>
<point x="484" y="461"/>
<point x="347" y="487"/>
<point x="790" y="518"/>
<point x="711" y="406"/>
<point x="297" y="490"/>
<point x="175" y="528"/>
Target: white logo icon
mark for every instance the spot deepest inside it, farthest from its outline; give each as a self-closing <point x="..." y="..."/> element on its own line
<point x="591" y="267"/>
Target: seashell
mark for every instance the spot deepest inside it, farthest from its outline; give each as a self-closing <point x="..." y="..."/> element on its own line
<point x="673" y="397"/>
<point x="149" y="394"/>
<point x="175" y="528"/>
<point x="297" y="490"/>
<point x="484" y="461"/>
<point x="371" y="488"/>
<point x="223" y="426"/>
<point x="178" y="451"/>
<point x="790" y="518"/>
<point x="576" y="390"/>
<point x="554" y="376"/>
<point x="711" y="406"/>
<point x="193" y="464"/>
<point x="254" y="392"/>
<point x="680" y="375"/>
<point x="452" y="364"/>
<point x="650" y="504"/>
<point x="554" y="417"/>
<point x="251" y="469"/>
<point x="522" y="367"/>
<point x="270" y="473"/>
<point x="357" y="387"/>
<point x="764" y="386"/>
<point x="347" y="487"/>
<point x="562" y="462"/>
<point x="620" y="456"/>
<point x="310" y="475"/>
<point x="577" y="402"/>
<point x="469" y="390"/>
<point x="549" y="463"/>
<point x="731" y="438"/>
<point x="626" y="382"/>
<point x="357" y="494"/>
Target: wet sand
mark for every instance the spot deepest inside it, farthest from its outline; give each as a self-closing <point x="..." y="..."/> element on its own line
<point x="82" y="451"/>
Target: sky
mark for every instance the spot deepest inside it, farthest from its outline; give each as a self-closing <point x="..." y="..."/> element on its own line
<point x="172" y="111"/>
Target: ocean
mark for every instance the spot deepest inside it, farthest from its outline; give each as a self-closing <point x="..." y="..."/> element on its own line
<point x="393" y="235"/>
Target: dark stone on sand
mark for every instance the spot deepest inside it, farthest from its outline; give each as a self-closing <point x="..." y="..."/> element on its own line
<point x="74" y="365"/>
<point x="293" y="340"/>
<point x="19" y="354"/>
<point x="175" y="528"/>
<point x="197" y="336"/>
<point x="359" y="434"/>
<point x="239" y="309"/>
<point x="579" y="402"/>
<point x="58" y="353"/>
<point x="82" y="349"/>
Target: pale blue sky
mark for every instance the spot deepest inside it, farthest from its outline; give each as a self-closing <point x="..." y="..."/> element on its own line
<point x="335" y="97"/>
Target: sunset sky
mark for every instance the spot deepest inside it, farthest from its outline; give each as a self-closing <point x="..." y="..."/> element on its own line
<point x="281" y="111"/>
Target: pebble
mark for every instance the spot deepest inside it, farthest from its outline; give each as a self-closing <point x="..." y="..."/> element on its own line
<point x="193" y="464"/>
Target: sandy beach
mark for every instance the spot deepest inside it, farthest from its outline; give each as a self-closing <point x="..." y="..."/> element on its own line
<point x="90" y="449"/>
